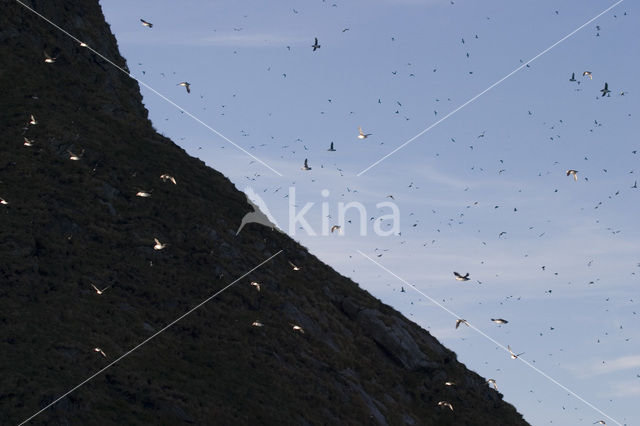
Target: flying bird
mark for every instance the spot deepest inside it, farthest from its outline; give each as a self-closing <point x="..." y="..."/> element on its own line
<point x="600" y="422"/>
<point x="98" y="290"/>
<point x="74" y="157"/>
<point x="445" y="404"/>
<point x="513" y="355"/>
<point x="306" y="165"/>
<point x="574" y="173"/>
<point x="605" y="91"/>
<point x="101" y="351"/>
<point x="256" y="285"/>
<point x="331" y="148"/>
<point x="587" y="73"/>
<point x="27" y="142"/>
<point x="493" y="382"/>
<point x="48" y="59"/>
<point x="297" y="328"/>
<point x="295" y="268"/>
<point x="158" y="245"/>
<point x="461" y="277"/>
<point x="461" y="321"/>
<point x="499" y="320"/>
<point x="166" y="177"/>
<point x="336" y="228"/>
<point x="3" y="202"/>
<point x="185" y="84"/>
<point x="143" y="194"/>
<point x="362" y="135"/>
<point x="449" y="383"/>
<point x="315" y="44"/>
<point x="257" y="324"/>
<point x="146" y="24"/>
<point x="32" y="120"/>
<point x="573" y="76"/>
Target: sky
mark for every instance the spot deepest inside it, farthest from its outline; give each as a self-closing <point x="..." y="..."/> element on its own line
<point x="483" y="190"/>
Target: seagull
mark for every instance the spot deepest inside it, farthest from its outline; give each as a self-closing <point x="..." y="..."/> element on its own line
<point x="297" y="328"/>
<point x="159" y="245"/>
<point x="499" y="320"/>
<point x="295" y="268"/>
<point x="390" y="196"/>
<point x="600" y="422"/>
<point x="316" y="45"/>
<point x="256" y="285"/>
<point x="336" y="227"/>
<point x="513" y="355"/>
<point x="98" y="290"/>
<point x="573" y="76"/>
<point x="331" y="148"/>
<point x="32" y="120"/>
<point x="605" y="91"/>
<point x="48" y="59"/>
<point x="83" y="44"/>
<point x="74" y="157"/>
<point x="306" y="165"/>
<point x="449" y="383"/>
<point x="445" y="404"/>
<point x="166" y="177"/>
<point x="146" y="24"/>
<point x="461" y="277"/>
<point x="143" y="194"/>
<point x="574" y="173"/>
<point x="461" y="321"/>
<point x="362" y="135"/>
<point x="587" y="73"/>
<point x="185" y="84"/>
<point x="101" y="351"/>
<point x="27" y="142"/>
<point x="3" y="202"/>
<point x="257" y="324"/>
<point x="493" y="382"/>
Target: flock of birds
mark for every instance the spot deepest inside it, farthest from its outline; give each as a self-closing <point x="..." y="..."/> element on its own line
<point x="361" y="135"/>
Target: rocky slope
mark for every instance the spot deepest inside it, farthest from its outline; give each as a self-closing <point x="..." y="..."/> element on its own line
<point x="71" y="224"/>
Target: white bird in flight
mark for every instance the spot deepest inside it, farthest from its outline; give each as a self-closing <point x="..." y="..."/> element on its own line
<point x="256" y="285"/>
<point x="445" y="404"/>
<point x="297" y="328"/>
<point x="48" y="59"/>
<point x="159" y="245"/>
<point x="461" y="277"/>
<point x="32" y="120"/>
<point x="146" y="24"/>
<point x="143" y="194"/>
<point x="98" y="290"/>
<point x="295" y="268"/>
<point x="336" y="228"/>
<point x="499" y="320"/>
<point x="101" y="351"/>
<point x="362" y="135"/>
<point x="74" y="157"/>
<point x="165" y="177"/>
<point x="257" y="324"/>
<point x="493" y="383"/>
<point x="574" y="173"/>
<point x="3" y="202"/>
<point x="187" y="85"/>
<point x="513" y="355"/>
<point x="28" y="142"/>
<point x="461" y="321"/>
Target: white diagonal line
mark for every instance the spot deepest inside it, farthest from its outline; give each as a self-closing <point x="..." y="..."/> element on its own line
<point x="148" y="339"/>
<point x="491" y="87"/>
<point x="456" y="316"/>
<point x="155" y="91"/>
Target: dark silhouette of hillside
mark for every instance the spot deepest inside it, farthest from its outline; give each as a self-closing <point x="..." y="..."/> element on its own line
<point x="71" y="224"/>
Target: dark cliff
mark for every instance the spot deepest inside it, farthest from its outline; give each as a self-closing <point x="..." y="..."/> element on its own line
<point x="71" y="224"/>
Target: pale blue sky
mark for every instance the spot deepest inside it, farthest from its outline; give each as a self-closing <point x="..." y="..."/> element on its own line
<point x="236" y="56"/>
